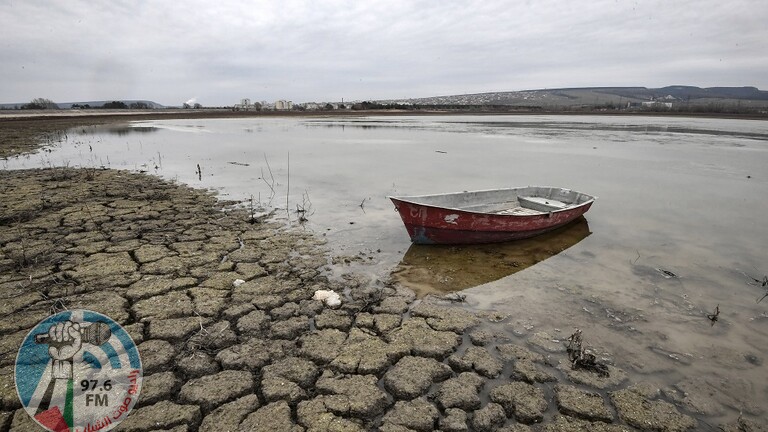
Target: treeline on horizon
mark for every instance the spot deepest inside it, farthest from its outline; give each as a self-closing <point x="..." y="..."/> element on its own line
<point x="708" y="108"/>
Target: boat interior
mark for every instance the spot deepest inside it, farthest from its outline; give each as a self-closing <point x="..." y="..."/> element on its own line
<point x="518" y="201"/>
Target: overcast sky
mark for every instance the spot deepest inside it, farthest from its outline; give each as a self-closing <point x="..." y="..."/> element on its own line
<point x="221" y="51"/>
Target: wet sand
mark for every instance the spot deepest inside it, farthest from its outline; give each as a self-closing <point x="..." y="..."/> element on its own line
<point x="161" y="259"/>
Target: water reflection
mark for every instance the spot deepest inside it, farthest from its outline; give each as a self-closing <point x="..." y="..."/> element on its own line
<point x="118" y="129"/>
<point x="444" y="268"/>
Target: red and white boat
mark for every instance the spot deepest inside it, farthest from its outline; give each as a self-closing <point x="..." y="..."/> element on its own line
<point x="489" y="216"/>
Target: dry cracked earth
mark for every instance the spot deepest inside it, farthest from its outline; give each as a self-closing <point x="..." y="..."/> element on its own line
<point x="161" y="259"/>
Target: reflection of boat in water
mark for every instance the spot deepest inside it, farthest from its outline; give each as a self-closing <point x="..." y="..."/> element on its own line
<point x="489" y="216"/>
<point x="448" y="268"/>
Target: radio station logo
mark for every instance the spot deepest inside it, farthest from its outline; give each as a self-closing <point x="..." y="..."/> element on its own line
<point x="78" y="371"/>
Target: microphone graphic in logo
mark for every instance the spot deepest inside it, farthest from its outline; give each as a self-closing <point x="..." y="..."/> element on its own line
<point x="78" y="370"/>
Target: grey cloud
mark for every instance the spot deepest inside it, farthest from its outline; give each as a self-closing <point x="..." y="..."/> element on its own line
<point x="309" y="50"/>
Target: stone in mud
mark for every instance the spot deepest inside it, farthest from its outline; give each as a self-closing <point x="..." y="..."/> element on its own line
<point x="645" y="414"/>
<point x="157" y="387"/>
<point x="477" y="359"/>
<point x="174" y="304"/>
<point x="175" y="329"/>
<point x="314" y="415"/>
<point x="338" y="319"/>
<point x="228" y="416"/>
<point x="455" y="420"/>
<point x="275" y="417"/>
<point x="290" y="328"/>
<point x="446" y="318"/>
<point x="424" y="341"/>
<point x="162" y="415"/>
<point x="412" y="376"/>
<point x="353" y="395"/>
<point x="196" y="364"/>
<point x="253" y="324"/>
<point x="461" y="392"/>
<point x="488" y="418"/>
<point x="522" y="400"/>
<point x="615" y="377"/>
<point x="417" y="414"/>
<point x="221" y="281"/>
<point x="156" y="355"/>
<point x="214" y="390"/>
<point x="578" y="403"/>
<point x="251" y="355"/>
<point x="364" y="353"/>
<point x="322" y="346"/>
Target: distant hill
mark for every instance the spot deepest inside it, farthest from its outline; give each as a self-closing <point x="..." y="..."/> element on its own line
<point x="91" y="104"/>
<point x="601" y="96"/>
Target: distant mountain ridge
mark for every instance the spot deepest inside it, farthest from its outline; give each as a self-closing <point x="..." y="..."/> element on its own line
<point x="601" y="96"/>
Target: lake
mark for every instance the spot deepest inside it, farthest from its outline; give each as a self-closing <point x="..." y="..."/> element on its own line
<point x="677" y="231"/>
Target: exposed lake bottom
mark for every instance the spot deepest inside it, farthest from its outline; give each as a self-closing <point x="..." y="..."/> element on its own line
<point x="676" y="234"/>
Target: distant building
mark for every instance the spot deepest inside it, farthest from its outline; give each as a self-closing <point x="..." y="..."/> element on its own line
<point x="244" y="105"/>
<point x="657" y="104"/>
<point x="283" y="105"/>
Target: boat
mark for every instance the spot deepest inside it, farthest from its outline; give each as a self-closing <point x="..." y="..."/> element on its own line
<point x="489" y="216"/>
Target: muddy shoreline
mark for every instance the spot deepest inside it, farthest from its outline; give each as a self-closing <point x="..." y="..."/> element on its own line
<point x="161" y="259"/>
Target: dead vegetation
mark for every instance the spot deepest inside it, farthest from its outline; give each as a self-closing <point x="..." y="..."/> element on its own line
<point x="583" y="359"/>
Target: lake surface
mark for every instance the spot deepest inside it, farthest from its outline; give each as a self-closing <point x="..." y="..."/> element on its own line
<point x="678" y="227"/>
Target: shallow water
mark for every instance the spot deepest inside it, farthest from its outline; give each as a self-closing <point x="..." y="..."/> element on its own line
<point x="687" y="197"/>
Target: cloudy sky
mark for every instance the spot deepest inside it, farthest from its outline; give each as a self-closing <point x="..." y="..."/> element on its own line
<point x="324" y="50"/>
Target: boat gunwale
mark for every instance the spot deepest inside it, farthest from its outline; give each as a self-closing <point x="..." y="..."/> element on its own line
<point x="409" y="200"/>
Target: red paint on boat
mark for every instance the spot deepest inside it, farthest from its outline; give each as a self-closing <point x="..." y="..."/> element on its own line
<point x="430" y="224"/>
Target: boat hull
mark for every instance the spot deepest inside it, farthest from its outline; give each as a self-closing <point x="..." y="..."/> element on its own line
<point x="435" y="225"/>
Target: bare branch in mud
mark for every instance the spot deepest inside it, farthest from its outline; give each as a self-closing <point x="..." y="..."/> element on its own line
<point x="362" y="203"/>
<point x="583" y="358"/>
<point x="304" y="210"/>
<point x="758" y="283"/>
<point x="715" y="316"/>
<point x="199" y="173"/>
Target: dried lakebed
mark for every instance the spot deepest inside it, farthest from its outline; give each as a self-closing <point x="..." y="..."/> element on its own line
<point x="161" y="259"/>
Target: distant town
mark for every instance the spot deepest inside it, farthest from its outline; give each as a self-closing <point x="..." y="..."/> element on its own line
<point x="737" y="100"/>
